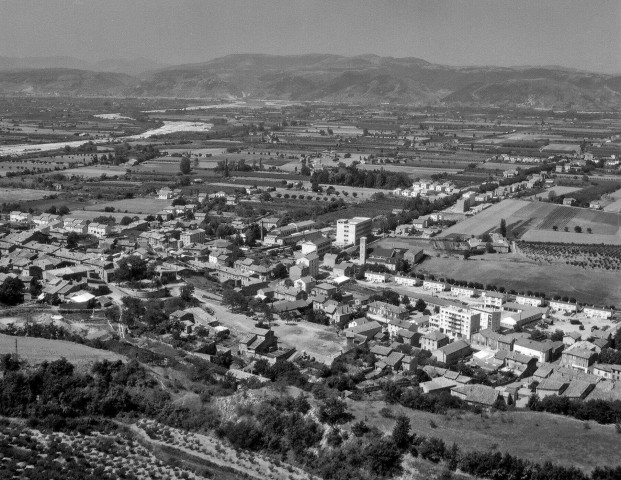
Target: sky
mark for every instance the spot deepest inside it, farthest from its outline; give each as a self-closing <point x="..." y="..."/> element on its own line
<point x="584" y="34"/>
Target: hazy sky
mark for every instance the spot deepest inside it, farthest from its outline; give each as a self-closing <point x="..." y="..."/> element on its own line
<point x="576" y="33"/>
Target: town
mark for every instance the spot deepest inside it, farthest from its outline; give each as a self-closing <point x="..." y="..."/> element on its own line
<point x="398" y="259"/>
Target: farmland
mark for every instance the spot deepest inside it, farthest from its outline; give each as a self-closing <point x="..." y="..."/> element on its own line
<point x="146" y="205"/>
<point x="21" y="194"/>
<point x="600" y="287"/>
<point x="522" y="216"/>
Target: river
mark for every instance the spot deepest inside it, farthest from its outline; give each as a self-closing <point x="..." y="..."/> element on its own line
<point x="168" y="127"/>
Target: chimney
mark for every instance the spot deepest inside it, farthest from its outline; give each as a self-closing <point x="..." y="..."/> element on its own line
<point x="363" y="251"/>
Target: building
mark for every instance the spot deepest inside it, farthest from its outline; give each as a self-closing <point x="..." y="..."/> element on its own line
<point x="433" y="341"/>
<point x="456" y="322"/>
<point x="385" y="312"/>
<point x="578" y="359"/>
<point x="311" y="262"/>
<point x="607" y="371"/>
<point x="435" y="286"/>
<point x="349" y="231"/>
<point x="192" y="236"/>
<point x="494" y="299"/>
<point x="464" y="292"/>
<point x="407" y="281"/>
<point x="540" y="350"/>
<point x="376" y="277"/>
<point x="452" y="352"/>
<point x="75" y="225"/>
<point x="320" y="246"/>
<point x="595" y="312"/>
<point x="99" y="229"/>
<point x="16" y="216"/>
<point x="480" y="395"/>
<point x="563" y="306"/>
<point x="490" y="317"/>
<point x="528" y="300"/>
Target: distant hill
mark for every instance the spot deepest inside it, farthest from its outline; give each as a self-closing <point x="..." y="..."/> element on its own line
<point x="118" y="65"/>
<point x="364" y="79"/>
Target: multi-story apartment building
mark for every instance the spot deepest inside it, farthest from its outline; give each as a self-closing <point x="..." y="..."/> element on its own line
<point x="494" y="299"/>
<point x="349" y="231"/>
<point x="595" y="312"/>
<point x="192" y="236"/>
<point x="528" y="300"/>
<point x="563" y="306"/>
<point x="99" y="229"/>
<point x="490" y="318"/>
<point x="434" y="286"/>
<point x="456" y="322"/>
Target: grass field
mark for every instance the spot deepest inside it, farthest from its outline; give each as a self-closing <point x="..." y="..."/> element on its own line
<point x="133" y="205"/>
<point x="37" y="350"/>
<point x="21" y="194"/>
<point x="599" y="287"/>
<point x="522" y="216"/>
<point x="535" y="436"/>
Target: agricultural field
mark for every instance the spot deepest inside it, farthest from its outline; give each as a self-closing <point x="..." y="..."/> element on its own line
<point x="535" y="436"/>
<point x="21" y="195"/>
<point x="606" y="257"/>
<point x="598" y="287"/>
<point x="97" y="171"/>
<point x="522" y="217"/>
<point x="145" y="205"/>
<point x="37" y="350"/>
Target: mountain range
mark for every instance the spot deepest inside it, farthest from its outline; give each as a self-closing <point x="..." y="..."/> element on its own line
<point x="364" y="79"/>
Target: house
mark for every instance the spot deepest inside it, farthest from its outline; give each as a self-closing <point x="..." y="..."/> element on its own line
<point x="571" y="338"/>
<point x="578" y="389"/>
<point x="320" y="246"/>
<point x="407" y="281"/>
<point x="192" y="236"/>
<point x="343" y="269"/>
<point x="384" y="312"/>
<point x="464" y="292"/>
<point x="578" y="359"/>
<point x="539" y="350"/>
<point x="433" y="341"/>
<point x="595" y="312"/>
<point x="289" y="294"/>
<point x="452" y="351"/>
<point x="304" y="284"/>
<point x="16" y="216"/>
<point x="362" y="333"/>
<point x="165" y="193"/>
<point x="258" y="341"/>
<point x="607" y="371"/>
<point x="486" y="338"/>
<point x="99" y="229"/>
<point x="528" y="300"/>
<point x="435" y="286"/>
<point x="566" y="307"/>
<point x="394" y="326"/>
<point x="75" y="225"/>
<point x="481" y="395"/>
<point x="551" y="386"/>
<point x="493" y="299"/>
<point x="522" y="365"/>
<point x="324" y="289"/>
<point x="376" y="277"/>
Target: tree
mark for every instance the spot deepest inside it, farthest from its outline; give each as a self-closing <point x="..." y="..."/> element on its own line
<point x="280" y="271"/>
<point x="420" y="306"/>
<point x="333" y="411"/>
<point x="234" y="300"/>
<point x="401" y="432"/>
<point x="72" y="240"/>
<point x="185" y="293"/>
<point x="503" y="227"/>
<point x="185" y="166"/>
<point x="126" y="220"/>
<point x="12" y="291"/>
<point x="578" y="229"/>
<point x="131" y="268"/>
<point x="63" y="210"/>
